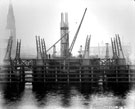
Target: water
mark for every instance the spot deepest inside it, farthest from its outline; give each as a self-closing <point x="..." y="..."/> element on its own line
<point x="63" y="97"/>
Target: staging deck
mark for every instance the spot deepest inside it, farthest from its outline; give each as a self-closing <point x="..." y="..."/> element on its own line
<point x="94" y="71"/>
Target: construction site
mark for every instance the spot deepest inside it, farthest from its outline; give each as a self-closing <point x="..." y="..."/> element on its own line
<point x="108" y="72"/>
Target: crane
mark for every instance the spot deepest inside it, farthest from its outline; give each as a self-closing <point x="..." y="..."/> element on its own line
<point x="117" y="47"/>
<point x="114" y="48"/>
<point x="43" y="49"/>
<point x="120" y="46"/>
<point x="38" y="43"/>
<point x="76" y="34"/>
<point x="57" y="42"/>
<point x="87" y="47"/>
<point x="73" y="42"/>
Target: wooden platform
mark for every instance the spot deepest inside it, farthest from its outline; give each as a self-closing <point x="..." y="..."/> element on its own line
<point x="92" y="71"/>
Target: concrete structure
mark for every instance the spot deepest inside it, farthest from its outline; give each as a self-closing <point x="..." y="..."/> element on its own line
<point x="64" y="30"/>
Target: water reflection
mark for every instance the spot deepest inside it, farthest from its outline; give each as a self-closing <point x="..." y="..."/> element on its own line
<point x="11" y="95"/>
<point x="62" y="97"/>
<point x="67" y="96"/>
<point x="51" y="93"/>
<point x="130" y="100"/>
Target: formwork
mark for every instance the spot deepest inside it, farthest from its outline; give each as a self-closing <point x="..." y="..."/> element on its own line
<point x="107" y="73"/>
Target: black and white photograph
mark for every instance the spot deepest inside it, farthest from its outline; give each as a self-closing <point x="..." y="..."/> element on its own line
<point x="67" y="54"/>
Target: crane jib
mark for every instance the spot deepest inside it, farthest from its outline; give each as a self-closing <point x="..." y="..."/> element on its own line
<point x="73" y="42"/>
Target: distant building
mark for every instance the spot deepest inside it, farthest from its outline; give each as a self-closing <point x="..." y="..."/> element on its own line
<point x="100" y="52"/>
<point x="11" y="28"/>
<point x="8" y="30"/>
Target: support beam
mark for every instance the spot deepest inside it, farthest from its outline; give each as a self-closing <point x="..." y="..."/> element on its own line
<point x="38" y="45"/>
<point x="121" y="50"/>
<point x="9" y="48"/>
<point x="18" y="47"/>
<point x="43" y="47"/>
<point x="117" y="45"/>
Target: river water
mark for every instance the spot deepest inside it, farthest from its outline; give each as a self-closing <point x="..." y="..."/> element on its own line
<point x="63" y="97"/>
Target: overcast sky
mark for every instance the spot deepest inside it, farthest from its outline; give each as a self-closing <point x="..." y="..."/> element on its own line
<point x="104" y="19"/>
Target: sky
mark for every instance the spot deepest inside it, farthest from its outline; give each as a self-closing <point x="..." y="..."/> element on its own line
<point x="103" y="19"/>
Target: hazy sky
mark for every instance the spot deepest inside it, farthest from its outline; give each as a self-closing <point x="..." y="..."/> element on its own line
<point x="104" y="19"/>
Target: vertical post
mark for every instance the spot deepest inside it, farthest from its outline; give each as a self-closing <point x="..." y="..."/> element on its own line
<point x="107" y="51"/>
<point x="56" y="73"/>
<point x="80" y="51"/>
<point x="120" y="46"/>
<point x="98" y="50"/>
<point x="92" y="76"/>
<point x="85" y="50"/>
<point x="9" y="48"/>
<point x="45" y="49"/>
<point x="80" y="73"/>
<point x="39" y="46"/>
<point x="129" y="75"/>
<point x="68" y="71"/>
<point x="116" y="73"/>
<point x="54" y="51"/>
<point x="42" y="49"/>
<point x="113" y="48"/>
<point x="117" y="45"/>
